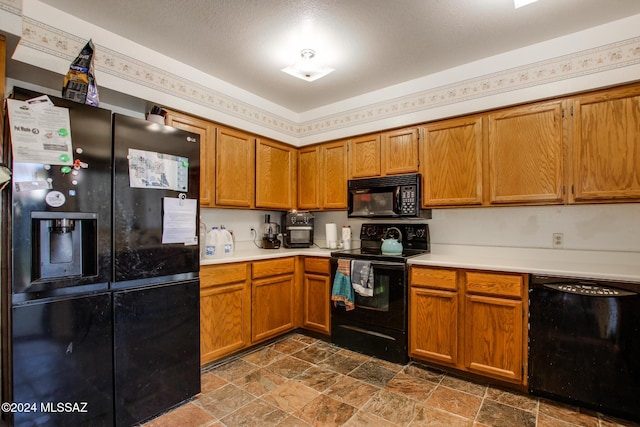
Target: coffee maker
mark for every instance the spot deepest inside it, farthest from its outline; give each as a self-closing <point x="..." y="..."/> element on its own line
<point x="270" y="231"/>
<point x="298" y="229"/>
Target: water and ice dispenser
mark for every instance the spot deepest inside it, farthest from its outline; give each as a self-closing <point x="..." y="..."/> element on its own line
<point x="65" y="245"/>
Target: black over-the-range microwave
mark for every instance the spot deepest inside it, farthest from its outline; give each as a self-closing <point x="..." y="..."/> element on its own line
<point x="394" y="196"/>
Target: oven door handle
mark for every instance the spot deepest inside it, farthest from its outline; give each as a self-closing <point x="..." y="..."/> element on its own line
<point x="388" y="265"/>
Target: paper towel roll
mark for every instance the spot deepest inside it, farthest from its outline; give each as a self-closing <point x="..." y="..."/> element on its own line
<point x="332" y="235"/>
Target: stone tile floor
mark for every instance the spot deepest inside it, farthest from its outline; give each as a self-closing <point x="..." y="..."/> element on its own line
<point x="302" y="381"/>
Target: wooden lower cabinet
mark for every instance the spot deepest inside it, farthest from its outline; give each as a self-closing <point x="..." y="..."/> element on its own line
<point x="225" y="310"/>
<point x="433" y="315"/>
<point x="468" y="320"/>
<point x="316" y="290"/>
<point x="273" y="298"/>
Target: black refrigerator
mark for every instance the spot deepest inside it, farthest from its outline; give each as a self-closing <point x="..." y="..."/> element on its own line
<point x="100" y="288"/>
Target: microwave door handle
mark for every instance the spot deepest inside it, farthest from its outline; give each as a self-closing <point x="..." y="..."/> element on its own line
<point x="396" y="200"/>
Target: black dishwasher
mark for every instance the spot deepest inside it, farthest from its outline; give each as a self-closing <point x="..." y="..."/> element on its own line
<point x="584" y="343"/>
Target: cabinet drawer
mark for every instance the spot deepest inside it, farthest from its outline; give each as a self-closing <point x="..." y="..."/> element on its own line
<point x="509" y="285"/>
<point x="433" y="278"/>
<point x="317" y="265"/>
<point x="211" y="275"/>
<point x="273" y="267"/>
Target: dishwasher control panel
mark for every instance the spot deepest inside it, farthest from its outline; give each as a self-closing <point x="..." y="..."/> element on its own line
<point x="589" y="289"/>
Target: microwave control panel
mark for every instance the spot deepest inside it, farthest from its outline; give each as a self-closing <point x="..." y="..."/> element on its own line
<point x="408" y="200"/>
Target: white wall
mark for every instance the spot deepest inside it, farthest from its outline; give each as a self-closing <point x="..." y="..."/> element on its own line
<point x="607" y="227"/>
<point x="610" y="227"/>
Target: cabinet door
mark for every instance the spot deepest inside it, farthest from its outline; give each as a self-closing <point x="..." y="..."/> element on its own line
<point x="453" y="163"/>
<point x="400" y="151"/>
<point x="526" y="155"/>
<point x="309" y="178"/>
<point x="225" y="320"/>
<point x="316" y="294"/>
<point x="365" y="156"/>
<point x="334" y="172"/>
<point x="225" y="310"/>
<point x="207" y="133"/>
<point x="606" y="146"/>
<point x="493" y="337"/>
<point x="433" y="325"/>
<point x="235" y="168"/>
<point x="272" y="307"/>
<point x="275" y="175"/>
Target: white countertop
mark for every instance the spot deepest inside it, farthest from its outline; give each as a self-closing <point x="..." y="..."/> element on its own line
<point x="604" y="265"/>
<point x="253" y="253"/>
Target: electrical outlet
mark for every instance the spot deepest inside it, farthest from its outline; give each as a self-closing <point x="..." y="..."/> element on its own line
<point x="558" y="240"/>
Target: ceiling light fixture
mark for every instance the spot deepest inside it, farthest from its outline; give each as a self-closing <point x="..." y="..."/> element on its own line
<point x="520" y="3"/>
<point x="307" y="68"/>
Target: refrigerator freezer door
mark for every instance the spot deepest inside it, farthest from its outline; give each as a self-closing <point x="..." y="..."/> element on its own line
<point x="157" y="349"/>
<point x="63" y="352"/>
<point x="151" y="162"/>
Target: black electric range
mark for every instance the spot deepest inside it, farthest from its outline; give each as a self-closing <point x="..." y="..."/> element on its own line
<point x="375" y="323"/>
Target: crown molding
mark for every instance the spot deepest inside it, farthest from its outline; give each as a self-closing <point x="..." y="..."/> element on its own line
<point x="114" y="66"/>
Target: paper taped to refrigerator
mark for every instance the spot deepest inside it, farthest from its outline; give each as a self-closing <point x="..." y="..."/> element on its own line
<point x="40" y="135"/>
<point x="179" y="220"/>
<point x="149" y="169"/>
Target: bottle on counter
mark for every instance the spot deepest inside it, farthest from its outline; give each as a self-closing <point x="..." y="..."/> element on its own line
<point x="212" y="249"/>
<point x="226" y="241"/>
<point x="346" y="237"/>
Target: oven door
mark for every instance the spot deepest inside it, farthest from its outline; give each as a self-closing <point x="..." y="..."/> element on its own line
<point x="387" y="308"/>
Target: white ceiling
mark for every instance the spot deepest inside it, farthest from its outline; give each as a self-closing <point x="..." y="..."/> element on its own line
<point x="372" y="44"/>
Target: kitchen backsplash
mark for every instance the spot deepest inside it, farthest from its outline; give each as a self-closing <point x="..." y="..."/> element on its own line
<point x="607" y="227"/>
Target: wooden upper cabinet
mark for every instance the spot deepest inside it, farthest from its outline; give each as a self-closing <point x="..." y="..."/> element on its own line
<point x="309" y="178"/>
<point x="275" y="175"/>
<point x="365" y="156"/>
<point x="452" y="170"/>
<point x="235" y="168"/>
<point x="334" y="168"/>
<point x="606" y="146"/>
<point x="322" y="176"/>
<point x="207" y="132"/>
<point x="400" y="151"/>
<point x="525" y="154"/>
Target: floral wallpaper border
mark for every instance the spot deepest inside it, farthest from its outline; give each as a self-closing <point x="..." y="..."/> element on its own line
<point x="56" y="42"/>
